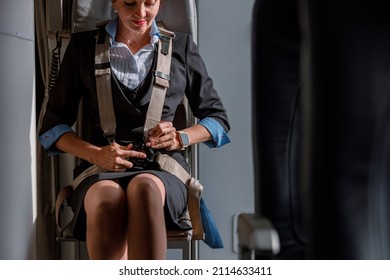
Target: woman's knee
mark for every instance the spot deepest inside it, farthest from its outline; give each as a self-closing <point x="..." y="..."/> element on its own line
<point x="105" y="197"/>
<point x="146" y="189"/>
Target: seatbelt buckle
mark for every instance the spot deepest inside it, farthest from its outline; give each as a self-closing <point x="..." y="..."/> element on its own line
<point x="143" y="162"/>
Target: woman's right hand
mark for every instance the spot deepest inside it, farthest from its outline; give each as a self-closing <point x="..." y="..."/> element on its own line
<point x="114" y="157"/>
<point x="111" y="157"/>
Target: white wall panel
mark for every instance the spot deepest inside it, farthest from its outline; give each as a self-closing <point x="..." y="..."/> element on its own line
<point x="17" y="124"/>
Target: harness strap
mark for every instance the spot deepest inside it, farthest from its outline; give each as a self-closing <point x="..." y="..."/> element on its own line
<point x="194" y="189"/>
<point x="103" y="85"/>
<point x="65" y="194"/>
<point x="161" y="80"/>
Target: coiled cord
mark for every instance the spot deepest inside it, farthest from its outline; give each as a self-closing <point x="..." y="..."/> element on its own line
<point x="55" y="63"/>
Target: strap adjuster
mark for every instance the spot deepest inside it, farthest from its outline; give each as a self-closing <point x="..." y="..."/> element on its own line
<point x="162" y="75"/>
<point x="102" y="72"/>
<point x="165" y="44"/>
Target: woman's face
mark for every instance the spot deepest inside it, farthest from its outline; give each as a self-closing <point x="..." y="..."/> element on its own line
<point x="136" y="15"/>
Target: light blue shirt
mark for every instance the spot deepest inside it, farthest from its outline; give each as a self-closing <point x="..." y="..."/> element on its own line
<point x="131" y="69"/>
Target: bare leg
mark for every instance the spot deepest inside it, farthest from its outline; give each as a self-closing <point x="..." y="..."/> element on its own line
<point x="146" y="225"/>
<point x="105" y="205"/>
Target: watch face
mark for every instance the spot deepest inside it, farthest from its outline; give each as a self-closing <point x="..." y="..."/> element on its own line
<point x="185" y="140"/>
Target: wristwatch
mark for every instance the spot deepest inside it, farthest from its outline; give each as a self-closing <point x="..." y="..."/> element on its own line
<point x="184" y="139"/>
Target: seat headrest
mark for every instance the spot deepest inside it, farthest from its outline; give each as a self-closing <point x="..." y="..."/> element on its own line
<point x="179" y="15"/>
<point x="87" y="13"/>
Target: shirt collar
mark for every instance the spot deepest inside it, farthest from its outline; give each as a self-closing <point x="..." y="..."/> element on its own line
<point x="111" y="28"/>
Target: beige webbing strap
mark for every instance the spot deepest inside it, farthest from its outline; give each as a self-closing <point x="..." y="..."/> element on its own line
<point x="66" y="193"/>
<point x="161" y="82"/>
<point x="194" y="187"/>
<point x="62" y="196"/>
<point x="103" y="85"/>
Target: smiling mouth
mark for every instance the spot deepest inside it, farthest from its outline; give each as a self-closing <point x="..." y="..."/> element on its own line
<point x="139" y="22"/>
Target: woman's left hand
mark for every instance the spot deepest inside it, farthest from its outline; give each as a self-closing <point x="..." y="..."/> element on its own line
<point x="163" y="136"/>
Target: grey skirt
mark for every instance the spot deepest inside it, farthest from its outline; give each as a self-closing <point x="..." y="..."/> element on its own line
<point x="175" y="198"/>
